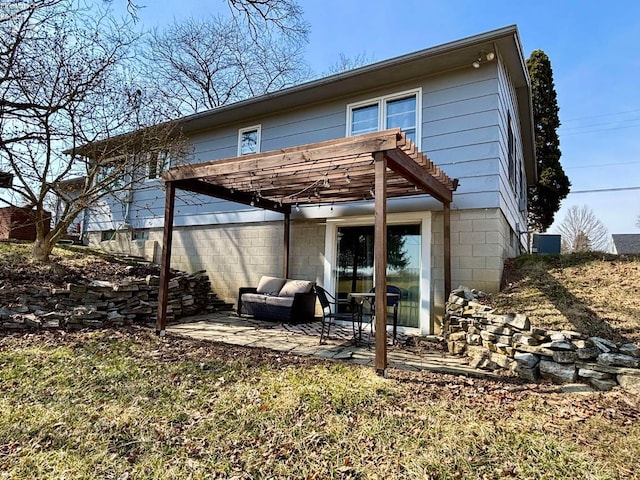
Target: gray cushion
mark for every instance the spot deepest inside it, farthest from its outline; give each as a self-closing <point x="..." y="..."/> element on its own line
<point x="295" y="286"/>
<point x="279" y="301"/>
<point x="253" y="298"/>
<point x="270" y="285"/>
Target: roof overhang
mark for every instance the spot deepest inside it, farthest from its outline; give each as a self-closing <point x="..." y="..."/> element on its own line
<point x="436" y="60"/>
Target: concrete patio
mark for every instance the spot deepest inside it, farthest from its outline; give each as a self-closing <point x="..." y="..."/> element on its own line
<point x="303" y="340"/>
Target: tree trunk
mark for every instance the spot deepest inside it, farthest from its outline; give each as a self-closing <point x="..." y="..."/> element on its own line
<point x="41" y="249"/>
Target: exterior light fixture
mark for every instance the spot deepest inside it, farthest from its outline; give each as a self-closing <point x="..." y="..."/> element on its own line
<point x="483" y="56"/>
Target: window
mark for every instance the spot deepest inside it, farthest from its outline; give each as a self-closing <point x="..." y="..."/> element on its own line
<point x="111" y="176"/>
<point x="511" y="153"/>
<point x="249" y="140"/>
<point x="140" y="235"/>
<point x="158" y="163"/>
<point x="392" y="111"/>
<point x="107" y="235"/>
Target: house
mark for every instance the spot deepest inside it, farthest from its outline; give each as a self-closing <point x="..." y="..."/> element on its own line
<point x="464" y="104"/>
<point x="625" y="243"/>
<point x="19" y="223"/>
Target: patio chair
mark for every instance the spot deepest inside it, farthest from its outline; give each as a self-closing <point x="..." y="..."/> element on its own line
<point x="392" y="301"/>
<point x="331" y="313"/>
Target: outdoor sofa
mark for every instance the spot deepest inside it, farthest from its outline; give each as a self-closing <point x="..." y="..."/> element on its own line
<point x="279" y="299"/>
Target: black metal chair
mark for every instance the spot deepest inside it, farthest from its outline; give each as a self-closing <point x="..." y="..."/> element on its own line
<point x="392" y="301"/>
<point x="331" y="313"/>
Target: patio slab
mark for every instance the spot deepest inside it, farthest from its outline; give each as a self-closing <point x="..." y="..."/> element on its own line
<point x="304" y="340"/>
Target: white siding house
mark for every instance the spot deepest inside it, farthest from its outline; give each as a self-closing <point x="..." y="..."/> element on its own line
<point x="474" y="123"/>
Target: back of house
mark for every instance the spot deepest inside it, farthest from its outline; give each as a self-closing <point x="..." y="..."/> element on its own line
<point x="465" y="104"/>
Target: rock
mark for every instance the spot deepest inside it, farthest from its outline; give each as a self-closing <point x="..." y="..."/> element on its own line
<point x="487" y="336"/>
<point x="630" y="349"/>
<point x="573" y="335"/>
<point x="588" y="373"/>
<point x="557" y="372"/>
<point x="608" y="369"/>
<point x="457" y="348"/>
<point x="588" y="353"/>
<point x="504" y="349"/>
<point x="497" y="330"/>
<point x="576" y="388"/>
<point x="523" y="339"/>
<point x="538" y="350"/>
<point x="528" y="360"/>
<point x="559" y="346"/>
<point x="529" y="374"/>
<point x="457" y="336"/>
<point x="603" y="384"/>
<point x="565" y="356"/>
<point x="618" y="360"/>
<point x="474" y="339"/>
<point x="518" y="321"/>
<point x="631" y="383"/>
<point x="558" y="337"/>
<point x="603" y="344"/>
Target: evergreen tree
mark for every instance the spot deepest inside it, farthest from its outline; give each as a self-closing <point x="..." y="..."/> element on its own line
<point x="553" y="185"/>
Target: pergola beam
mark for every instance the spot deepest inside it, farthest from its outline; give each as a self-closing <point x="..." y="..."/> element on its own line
<point x="410" y="170"/>
<point x="211" y="190"/>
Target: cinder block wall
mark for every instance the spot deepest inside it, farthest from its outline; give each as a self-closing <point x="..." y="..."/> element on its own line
<point x="234" y="255"/>
<point x="481" y="240"/>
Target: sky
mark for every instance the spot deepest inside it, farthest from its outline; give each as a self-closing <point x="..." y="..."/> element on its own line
<point x="593" y="48"/>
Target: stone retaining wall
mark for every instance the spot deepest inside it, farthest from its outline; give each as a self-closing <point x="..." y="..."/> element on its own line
<point x="510" y="342"/>
<point x="100" y="304"/>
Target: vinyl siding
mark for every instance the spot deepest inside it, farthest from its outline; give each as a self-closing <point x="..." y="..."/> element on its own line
<point x="462" y="131"/>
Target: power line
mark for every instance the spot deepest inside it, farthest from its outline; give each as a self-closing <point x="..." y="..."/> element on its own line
<point x="600" y="115"/>
<point x="599" y="190"/>
<point x="592" y="165"/>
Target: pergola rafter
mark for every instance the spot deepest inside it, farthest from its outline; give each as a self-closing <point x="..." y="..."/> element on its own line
<point x="374" y="166"/>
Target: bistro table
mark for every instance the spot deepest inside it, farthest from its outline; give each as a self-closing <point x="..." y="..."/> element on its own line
<point x="360" y="298"/>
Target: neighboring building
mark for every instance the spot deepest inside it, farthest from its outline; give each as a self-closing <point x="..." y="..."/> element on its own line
<point x="20" y="223"/>
<point x="625" y="243"/>
<point x="466" y="104"/>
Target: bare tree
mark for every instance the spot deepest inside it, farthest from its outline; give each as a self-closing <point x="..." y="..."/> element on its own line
<point x="638" y="222"/>
<point x="199" y="64"/>
<point x="284" y="15"/>
<point x="346" y="63"/>
<point x="582" y="231"/>
<point x="66" y="85"/>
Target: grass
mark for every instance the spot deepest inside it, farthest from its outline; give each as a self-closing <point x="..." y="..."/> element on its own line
<point x="129" y="405"/>
<point x="592" y="293"/>
<point x="125" y="405"/>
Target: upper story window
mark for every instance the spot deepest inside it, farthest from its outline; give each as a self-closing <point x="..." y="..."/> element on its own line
<point x="158" y="162"/>
<point x="391" y="111"/>
<point x="249" y="140"/>
<point x="511" y="152"/>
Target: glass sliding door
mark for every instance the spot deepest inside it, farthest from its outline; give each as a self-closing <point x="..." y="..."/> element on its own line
<point x="355" y="264"/>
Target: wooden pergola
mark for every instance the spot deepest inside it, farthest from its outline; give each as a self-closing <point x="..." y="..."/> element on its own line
<point x="376" y="166"/>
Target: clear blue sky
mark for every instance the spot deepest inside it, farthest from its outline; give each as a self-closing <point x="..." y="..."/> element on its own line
<point x="594" y="48"/>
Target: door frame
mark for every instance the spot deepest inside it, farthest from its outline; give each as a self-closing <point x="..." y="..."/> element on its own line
<point x="425" y="288"/>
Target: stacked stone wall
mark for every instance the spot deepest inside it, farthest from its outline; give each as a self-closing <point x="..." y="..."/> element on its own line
<point x="98" y="304"/>
<point x="493" y="342"/>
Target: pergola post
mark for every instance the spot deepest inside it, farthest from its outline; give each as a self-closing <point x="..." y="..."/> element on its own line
<point x="285" y="253"/>
<point x="380" y="258"/>
<point x="446" y="211"/>
<point x="165" y="267"/>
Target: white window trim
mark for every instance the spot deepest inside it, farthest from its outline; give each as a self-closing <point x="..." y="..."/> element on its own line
<point x="159" y="173"/>
<point x="422" y="218"/>
<point x="382" y="110"/>
<point x="257" y="128"/>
